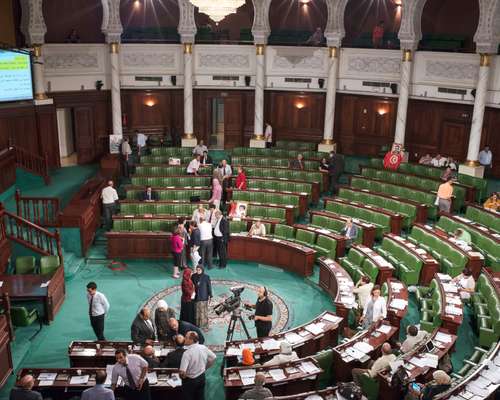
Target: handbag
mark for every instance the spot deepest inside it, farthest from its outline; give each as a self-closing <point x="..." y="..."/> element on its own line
<point x="350" y="391"/>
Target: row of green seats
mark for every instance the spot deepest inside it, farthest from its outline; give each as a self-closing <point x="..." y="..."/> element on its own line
<point x="172" y="181"/>
<point x="483" y="217"/>
<point x="407" y="265"/>
<point x="451" y="260"/>
<point x="484" y="244"/>
<point x="357" y="264"/>
<point x="333" y="224"/>
<point x="409" y="211"/>
<point x="428" y="184"/>
<point x="295" y="145"/>
<point x="158" y="208"/>
<point x="430" y="303"/>
<point x="144" y="225"/>
<point x="487" y="310"/>
<point x="169" y="170"/>
<point x="281" y="186"/>
<point x="260" y="161"/>
<point x="294" y="175"/>
<point x="268" y="198"/>
<point x="172" y="194"/>
<point x="381" y="221"/>
<point x="325" y="246"/>
<point x="278" y="153"/>
<point x="475" y="360"/>
<point x="420" y="196"/>
<point x="152" y="159"/>
<point x="175" y="152"/>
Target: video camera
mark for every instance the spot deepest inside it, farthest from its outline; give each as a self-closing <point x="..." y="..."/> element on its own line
<point x="231" y="303"/>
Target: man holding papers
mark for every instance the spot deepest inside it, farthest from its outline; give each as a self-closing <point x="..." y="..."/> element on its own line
<point x="378" y="366"/>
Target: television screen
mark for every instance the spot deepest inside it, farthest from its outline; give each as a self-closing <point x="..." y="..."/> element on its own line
<point x="15" y="76"/>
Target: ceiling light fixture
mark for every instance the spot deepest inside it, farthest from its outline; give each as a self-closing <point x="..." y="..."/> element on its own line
<point x="217" y="10"/>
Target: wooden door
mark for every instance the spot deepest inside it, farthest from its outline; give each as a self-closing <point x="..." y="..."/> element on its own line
<point x="233" y="121"/>
<point x="83" y="119"/>
<point x="454" y="139"/>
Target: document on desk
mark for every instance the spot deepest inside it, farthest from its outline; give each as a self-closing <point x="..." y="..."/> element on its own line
<point x="332" y="318"/>
<point x="79" y="380"/>
<point x="47" y="376"/>
<point x="1" y="283"/>
<point x="45" y="383"/>
<point x="450" y="288"/>
<point x="165" y="352"/>
<point x="396" y="286"/>
<point x="477" y="390"/>
<point x="451" y="309"/>
<point x="419" y="362"/>
<point x="270" y="344"/>
<point x="355" y="353"/>
<point x="384" y="328"/>
<point x="247" y="373"/>
<point x="277" y="374"/>
<point x="431" y="360"/>
<point x="174" y="380"/>
<point x="492" y="375"/>
<point x="249" y="346"/>
<point x="398" y="304"/>
<point x="443" y="337"/>
<point x="247" y="381"/>
<point x="363" y="347"/>
<point x="315" y="329"/>
<point x="233" y="351"/>
<point x="444" y="277"/>
<point x="152" y="378"/>
<point x="420" y="251"/>
<point x="308" y="367"/>
<point x="293" y="338"/>
<point x="44" y="284"/>
<point x="453" y="300"/>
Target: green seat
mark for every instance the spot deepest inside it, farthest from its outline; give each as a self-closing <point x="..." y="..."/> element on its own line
<point x="325" y="246"/>
<point x="21" y="317"/>
<point x="284" y="232"/>
<point x="49" y="264"/>
<point x="325" y="362"/>
<point x="25" y="265"/>
<point x="369" y="386"/>
<point x="305" y="237"/>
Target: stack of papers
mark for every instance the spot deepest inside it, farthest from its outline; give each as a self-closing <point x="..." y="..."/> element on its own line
<point x="79" y="380"/>
<point x="398" y="304"/>
<point x="174" y="380"/>
<point x="450" y="288"/>
<point x="355" y="353"/>
<point x="384" y="328"/>
<point x="277" y="374"/>
<point x="420" y="251"/>
<point x="453" y="310"/>
<point x="152" y="378"/>
<point x="308" y="367"/>
<point x="46" y="378"/>
<point x="453" y="300"/>
<point x="315" y="329"/>
<point x="293" y="338"/>
<point x="444" y="277"/>
<point x="363" y="347"/>
<point x="233" y="351"/>
<point x="247" y="376"/>
<point x="249" y="346"/>
<point x="442" y="337"/>
<point x="396" y="286"/>
<point x="332" y="318"/>
<point x="270" y="344"/>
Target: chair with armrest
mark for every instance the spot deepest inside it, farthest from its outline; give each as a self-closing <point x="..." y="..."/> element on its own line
<point x="21" y="317"/>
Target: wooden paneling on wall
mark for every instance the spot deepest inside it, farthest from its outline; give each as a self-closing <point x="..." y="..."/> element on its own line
<point x="491" y="137"/>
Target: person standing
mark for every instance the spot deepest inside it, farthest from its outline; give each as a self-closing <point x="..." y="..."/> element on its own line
<point x="109" y="198"/>
<point x="268" y="135"/>
<point x="126" y="152"/>
<point x="486" y="160"/>
<point x="98" y="308"/>
<point x="216" y="193"/>
<point x="200" y="148"/>
<point x="206" y="243"/>
<point x="133" y="369"/>
<point x="22" y="390"/>
<point x="163" y="313"/>
<point x="187" y="299"/>
<point x="177" y="245"/>
<point x="141" y="142"/>
<point x="99" y="391"/>
<point x="203" y="294"/>
<point x="241" y="179"/>
<point x="181" y="224"/>
<point x="374" y="309"/>
<point x="333" y="172"/>
<point x="199" y="213"/>
<point x="378" y="35"/>
<point x="195" y="361"/>
<point x="142" y="330"/>
<point x="206" y="159"/>
<point x="194" y="243"/>
<point x="444" y="196"/>
<point x="263" y="313"/>
<point x="178" y="327"/>
<point x="221" y="238"/>
<point x="226" y="172"/>
<point x="363" y="289"/>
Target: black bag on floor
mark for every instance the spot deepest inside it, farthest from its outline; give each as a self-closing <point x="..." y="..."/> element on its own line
<point x="350" y="391"/>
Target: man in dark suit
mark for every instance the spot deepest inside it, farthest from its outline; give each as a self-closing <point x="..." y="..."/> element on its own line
<point x="173" y="359"/>
<point x="297" y="163"/>
<point x="335" y="169"/>
<point x="148" y="353"/>
<point x="149" y="195"/>
<point x="23" y="390"/>
<point x="350" y="231"/>
<point x="206" y="159"/>
<point x="142" y="329"/>
<point x="181" y="328"/>
<point x="221" y="237"/>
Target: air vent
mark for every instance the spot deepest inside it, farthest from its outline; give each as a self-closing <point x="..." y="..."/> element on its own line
<point x="461" y="92"/>
<point x="298" y="80"/>
<point x="225" y="78"/>
<point x="149" y="78"/>
<point x="376" y="84"/>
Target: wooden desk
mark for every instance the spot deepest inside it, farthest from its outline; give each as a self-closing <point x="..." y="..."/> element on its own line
<point x="396" y="220"/>
<point x="367" y="229"/>
<point x="5" y="250"/>
<point x="429" y="264"/>
<point x="62" y="389"/>
<point x="297" y="382"/>
<point x="416" y="373"/>
<point x="315" y="186"/>
<point x="396" y="290"/>
<point x="280" y="253"/>
<point x="341" y="240"/>
<point x="451" y="322"/>
<point x="343" y="364"/>
<point x="329" y="393"/>
<point x="385" y="268"/>
<point x="8" y="168"/>
<point x="309" y="345"/>
<point x="6" y="365"/>
<point x="27" y="287"/>
<point x="92" y="354"/>
<point x="339" y="285"/>
<point x="123" y="245"/>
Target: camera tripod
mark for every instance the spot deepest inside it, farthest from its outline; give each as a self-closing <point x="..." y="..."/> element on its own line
<point x="235" y="318"/>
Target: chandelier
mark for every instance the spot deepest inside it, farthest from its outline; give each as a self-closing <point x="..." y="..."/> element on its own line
<point x="217" y="10"/>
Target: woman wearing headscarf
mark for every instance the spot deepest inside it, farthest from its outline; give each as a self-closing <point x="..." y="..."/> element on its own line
<point x="162" y="314"/>
<point x="247" y="359"/>
<point x="187" y="299"/>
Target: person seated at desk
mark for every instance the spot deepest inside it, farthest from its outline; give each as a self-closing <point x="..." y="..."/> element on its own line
<point x="257" y="229"/>
<point x="297" y="163"/>
<point x="363" y="289"/>
<point x="193" y="166"/>
<point x="247" y="359"/>
<point x="163" y="313"/>
<point x="200" y="148"/>
<point x="350" y="231"/>
<point x="148" y="353"/>
<point x="149" y="195"/>
<point x="425" y="160"/>
<point x="463" y="236"/>
<point x="448" y="173"/>
<point x="379" y="365"/>
<point x="142" y="330"/>
<point x="451" y="163"/>
<point x="441" y="383"/>
<point x="285" y="355"/>
<point x="492" y="203"/>
<point x="374" y="309"/>
<point x="206" y="159"/>
<point x="438" y="161"/>
<point x="323" y="165"/>
<point x="466" y="283"/>
<point x="413" y="338"/>
<point x="23" y="390"/>
<point x="258" y="392"/>
<point x="181" y="328"/>
<point x="99" y="392"/>
<point x="173" y="359"/>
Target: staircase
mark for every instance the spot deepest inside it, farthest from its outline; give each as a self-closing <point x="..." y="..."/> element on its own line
<point x="32" y="163"/>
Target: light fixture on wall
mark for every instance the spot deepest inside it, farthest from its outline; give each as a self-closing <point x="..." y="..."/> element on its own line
<point x="299" y="104"/>
<point x="137" y="4"/>
<point x="150" y="101"/>
<point x="381" y="111"/>
<point x="304" y="2"/>
<point x="217" y="10"/>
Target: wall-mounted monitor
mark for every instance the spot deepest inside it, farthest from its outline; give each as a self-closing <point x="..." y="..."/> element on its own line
<point x="16" y="81"/>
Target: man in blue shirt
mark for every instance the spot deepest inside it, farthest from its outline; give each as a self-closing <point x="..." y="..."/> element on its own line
<point x="98" y="392"/>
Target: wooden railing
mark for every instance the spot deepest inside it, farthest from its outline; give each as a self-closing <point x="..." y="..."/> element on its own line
<point x="43" y="211"/>
<point x="30" y="235"/>
<point x="33" y="163"/>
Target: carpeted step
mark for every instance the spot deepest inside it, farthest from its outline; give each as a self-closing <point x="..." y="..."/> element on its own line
<point x="72" y="264"/>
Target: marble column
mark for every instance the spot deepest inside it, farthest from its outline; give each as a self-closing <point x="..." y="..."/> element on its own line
<point x="331" y="92"/>
<point x="116" y="103"/>
<point x="404" y="94"/>
<point x="39" y="79"/>
<point x="258" y="139"/>
<point x="188" y="140"/>
<point x="472" y="166"/>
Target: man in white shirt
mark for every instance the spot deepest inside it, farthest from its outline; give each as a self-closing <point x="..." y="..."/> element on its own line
<point x="438" y="161"/>
<point x="98" y="308"/>
<point x="133" y="369"/>
<point x="486" y="159"/>
<point x="413" y="338"/>
<point x="268" y="135"/>
<point x="206" y="242"/>
<point x="126" y="151"/>
<point x="200" y="148"/>
<point x="141" y="142"/>
<point x="193" y="166"/>
<point x="226" y="173"/>
<point x="195" y="361"/>
<point x="109" y="198"/>
<point x="379" y="365"/>
<point x="285" y="355"/>
<point x="363" y="289"/>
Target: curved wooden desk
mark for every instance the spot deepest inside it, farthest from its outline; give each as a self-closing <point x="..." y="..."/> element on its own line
<point x="385" y="268"/>
<point x="450" y="321"/>
<point x="325" y="394"/>
<point x="397" y="293"/>
<point x="280" y="253"/>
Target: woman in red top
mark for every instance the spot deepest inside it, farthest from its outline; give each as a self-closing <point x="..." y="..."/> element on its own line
<point x="187" y="302"/>
<point x="241" y="180"/>
<point x="177" y="245"/>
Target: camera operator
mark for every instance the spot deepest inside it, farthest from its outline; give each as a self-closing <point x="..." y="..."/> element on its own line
<point x="263" y="313"/>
